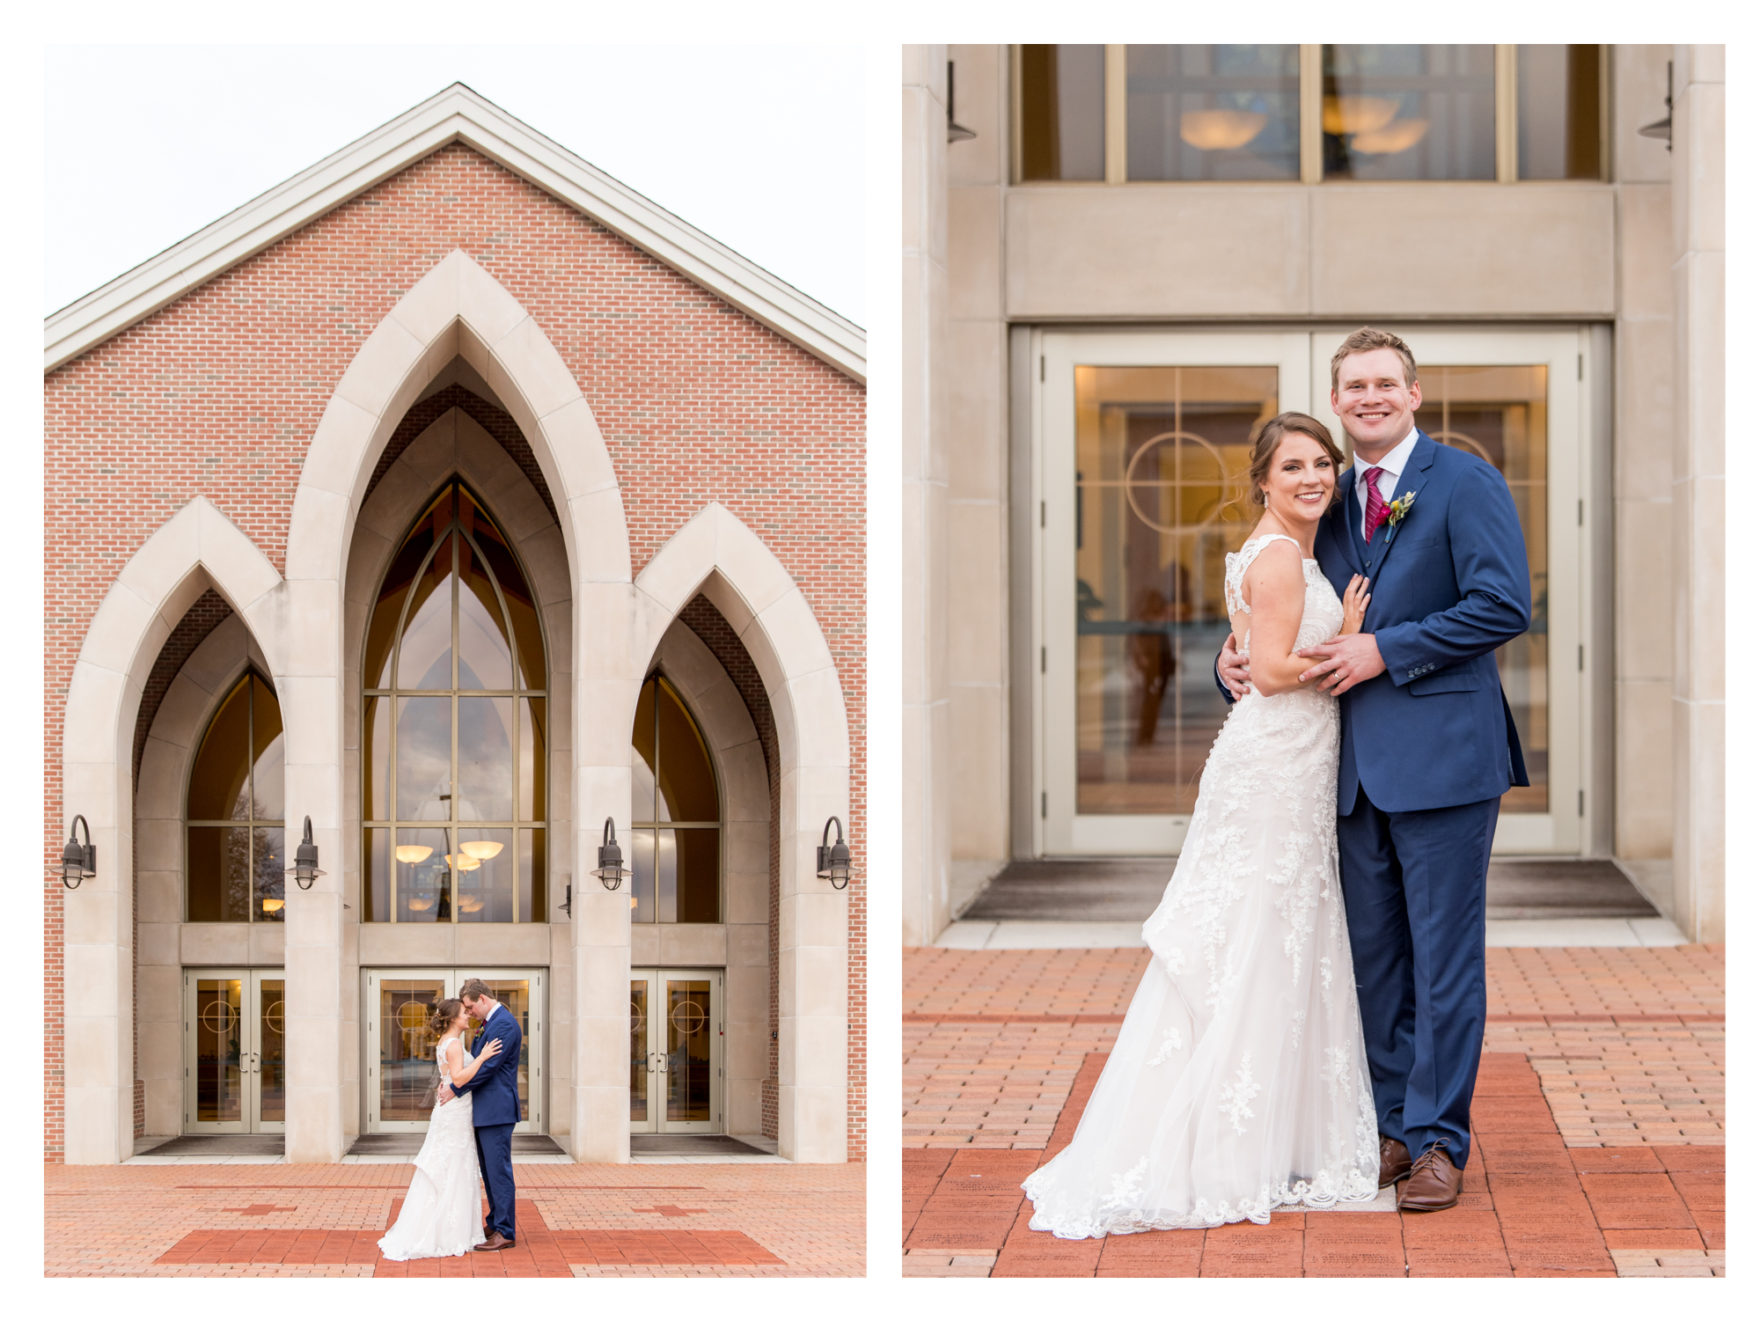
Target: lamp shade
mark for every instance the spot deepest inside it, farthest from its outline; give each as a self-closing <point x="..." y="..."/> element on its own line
<point x="1221" y="130"/>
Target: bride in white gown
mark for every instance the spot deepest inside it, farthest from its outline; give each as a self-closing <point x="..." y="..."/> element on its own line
<point x="442" y="1214"/>
<point x="1238" y="1083"/>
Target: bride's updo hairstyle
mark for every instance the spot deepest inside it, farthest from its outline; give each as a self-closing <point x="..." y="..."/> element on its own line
<point x="446" y="1011"/>
<point x="1271" y="435"/>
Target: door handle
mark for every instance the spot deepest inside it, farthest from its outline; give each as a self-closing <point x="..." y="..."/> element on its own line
<point x="662" y="1062"/>
<point x="650" y="1063"/>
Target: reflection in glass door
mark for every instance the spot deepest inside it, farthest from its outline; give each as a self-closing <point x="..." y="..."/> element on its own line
<point x="1143" y="441"/>
<point x="1513" y="398"/>
<point x="676" y="1032"/>
<point x="1141" y="449"/>
<point x="234" y="1051"/>
<point x="401" y="1072"/>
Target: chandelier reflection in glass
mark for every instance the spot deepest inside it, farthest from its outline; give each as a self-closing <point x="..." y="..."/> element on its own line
<point x="454" y="727"/>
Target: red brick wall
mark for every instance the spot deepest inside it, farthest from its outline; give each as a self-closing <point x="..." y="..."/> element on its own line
<point x="219" y="393"/>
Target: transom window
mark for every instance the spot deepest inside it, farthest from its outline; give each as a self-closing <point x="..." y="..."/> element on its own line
<point x="675" y="813"/>
<point x="234" y="811"/>
<point x="1317" y="113"/>
<point x="454" y="732"/>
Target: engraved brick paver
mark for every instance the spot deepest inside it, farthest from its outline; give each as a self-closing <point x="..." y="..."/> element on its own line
<point x="575" y="1220"/>
<point x="1597" y="1126"/>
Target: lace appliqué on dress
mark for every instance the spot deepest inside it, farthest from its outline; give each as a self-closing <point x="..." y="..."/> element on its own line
<point x="1238" y="1083"/>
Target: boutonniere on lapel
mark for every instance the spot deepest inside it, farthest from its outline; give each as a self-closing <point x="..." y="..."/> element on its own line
<point x="1397" y="511"/>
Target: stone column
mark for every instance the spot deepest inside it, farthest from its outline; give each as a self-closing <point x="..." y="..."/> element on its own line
<point x="1697" y="177"/>
<point x="98" y="937"/>
<point x="1643" y="473"/>
<point x="311" y="707"/>
<point x="971" y="437"/>
<point x="927" y="865"/>
<point x="605" y="693"/>
<point x="812" y="961"/>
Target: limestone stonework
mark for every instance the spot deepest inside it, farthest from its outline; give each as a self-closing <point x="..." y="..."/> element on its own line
<point x="675" y="449"/>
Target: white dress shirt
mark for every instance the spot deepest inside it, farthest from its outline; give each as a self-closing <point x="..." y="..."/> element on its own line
<point x="1391" y="466"/>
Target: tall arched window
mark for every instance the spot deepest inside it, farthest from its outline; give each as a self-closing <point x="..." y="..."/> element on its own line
<point x="675" y="815"/>
<point x="234" y="811"/>
<point x="453" y="728"/>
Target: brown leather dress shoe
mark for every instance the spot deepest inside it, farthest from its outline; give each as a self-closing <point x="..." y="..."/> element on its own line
<point x="495" y="1243"/>
<point x="1396" y="1161"/>
<point x="1435" y="1184"/>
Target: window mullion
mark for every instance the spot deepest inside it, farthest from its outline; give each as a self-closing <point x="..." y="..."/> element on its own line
<point x="1310" y="93"/>
<point x="1116" y="99"/>
<point x="1504" y="94"/>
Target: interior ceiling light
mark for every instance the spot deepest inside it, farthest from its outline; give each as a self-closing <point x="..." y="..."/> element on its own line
<point x="481" y="849"/>
<point x="1357" y="114"/>
<point x="411" y="853"/>
<point x="1221" y="130"/>
<point x="1400" y="135"/>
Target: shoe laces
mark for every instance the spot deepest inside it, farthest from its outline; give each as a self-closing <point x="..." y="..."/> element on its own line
<point x="1432" y="1154"/>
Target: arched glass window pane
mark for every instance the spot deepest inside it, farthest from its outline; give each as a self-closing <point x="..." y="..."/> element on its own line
<point x="453" y="728"/>
<point x="675" y="854"/>
<point x="686" y="779"/>
<point x="219" y="786"/>
<point x="267" y="750"/>
<point x="425" y="649"/>
<point x="233" y="856"/>
<point x="485" y="647"/>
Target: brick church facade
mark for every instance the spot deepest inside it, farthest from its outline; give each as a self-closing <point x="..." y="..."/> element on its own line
<point x="640" y="459"/>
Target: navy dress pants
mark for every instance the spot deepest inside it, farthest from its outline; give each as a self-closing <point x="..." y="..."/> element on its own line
<point x="495" y="1161"/>
<point x="1414" y="901"/>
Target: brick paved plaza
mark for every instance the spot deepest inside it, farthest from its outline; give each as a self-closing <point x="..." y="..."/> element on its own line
<point x="575" y="1220"/>
<point x="1598" y="1125"/>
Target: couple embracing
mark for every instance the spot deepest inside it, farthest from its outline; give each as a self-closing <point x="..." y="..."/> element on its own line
<point x="1309" y="1027"/>
<point x="469" y="1136"/>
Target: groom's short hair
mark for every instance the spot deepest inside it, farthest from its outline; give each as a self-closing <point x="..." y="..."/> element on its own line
<point x="475" y="988"/>
<point x="1367" y="340"/>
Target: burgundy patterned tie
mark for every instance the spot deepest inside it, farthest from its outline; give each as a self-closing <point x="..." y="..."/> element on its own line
<point x="1377" y="505"/>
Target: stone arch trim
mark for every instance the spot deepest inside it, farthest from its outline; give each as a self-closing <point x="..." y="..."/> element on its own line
<point x="197" y="548"/>
<point x="717" y="554"/>
<point x="458" y="310"/>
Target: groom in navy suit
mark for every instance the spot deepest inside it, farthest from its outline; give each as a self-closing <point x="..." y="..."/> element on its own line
<point x="1427" y="748"/>
<point x="495" y="1110"/>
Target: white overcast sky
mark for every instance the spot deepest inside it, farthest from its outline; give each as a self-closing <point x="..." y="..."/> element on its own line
<point x="759" y="147"/>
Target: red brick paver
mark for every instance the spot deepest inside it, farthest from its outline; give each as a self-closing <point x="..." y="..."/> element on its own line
<point x="751" y="1220"/>
<point x="1597" y="1125"/>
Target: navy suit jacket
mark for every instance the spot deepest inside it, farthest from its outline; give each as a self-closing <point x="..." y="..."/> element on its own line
<point x="496" y="1084"/>
<point x="1448" y="586"/>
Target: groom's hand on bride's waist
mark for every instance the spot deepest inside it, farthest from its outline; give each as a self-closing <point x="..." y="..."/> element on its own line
<point x="1233" y="670"/>
<point x="1343" y="662"/>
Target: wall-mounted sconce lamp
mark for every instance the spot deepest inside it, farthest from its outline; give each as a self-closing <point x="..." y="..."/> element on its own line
<point x="834" y="859"/>
<point x="305" y="860"/>
<point x="610" y="870"/>
<point x="78" y="861"/>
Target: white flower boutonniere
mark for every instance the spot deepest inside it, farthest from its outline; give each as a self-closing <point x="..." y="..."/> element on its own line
<point x="1398" y="509"/>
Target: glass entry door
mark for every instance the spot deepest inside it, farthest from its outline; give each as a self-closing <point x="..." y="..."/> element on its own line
<point x="1141" y="439"/>
<point x="676" y="1034"/>
<point x="1514" y="399"/>
<point x="1142" y="448"/>
<point x="234" y="1051"/>
<point x="401" y="1073"/>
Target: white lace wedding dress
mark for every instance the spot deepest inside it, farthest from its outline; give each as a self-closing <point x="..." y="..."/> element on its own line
<point x="1238" y="1083"/>
<point x="442" y="1214"/>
